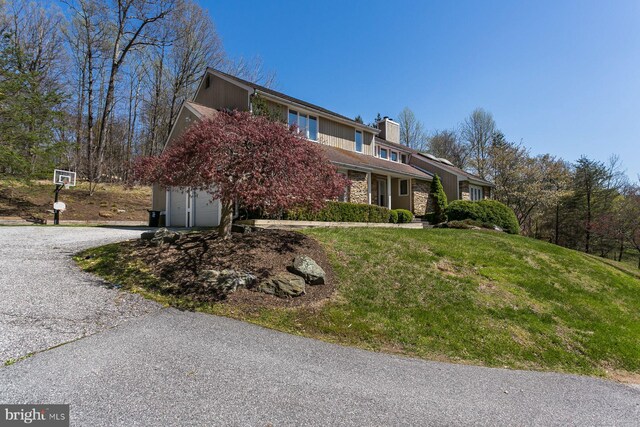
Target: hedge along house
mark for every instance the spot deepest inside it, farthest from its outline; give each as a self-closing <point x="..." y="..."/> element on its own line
<point x="378" y="167"/>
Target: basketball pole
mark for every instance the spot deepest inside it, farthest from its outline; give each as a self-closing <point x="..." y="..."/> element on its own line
<point x="56" y="212"/>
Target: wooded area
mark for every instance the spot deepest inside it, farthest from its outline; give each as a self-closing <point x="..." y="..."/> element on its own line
<point x="88" y="85"/>
<point x="586" y="205"/>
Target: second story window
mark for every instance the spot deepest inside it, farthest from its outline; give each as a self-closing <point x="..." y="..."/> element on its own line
<point x="403" y="158"/>
<point x="394" y="156"/>
<point x="307" y="125"/>
<point x="384" y="154"/>
<point x="359" y="141"/>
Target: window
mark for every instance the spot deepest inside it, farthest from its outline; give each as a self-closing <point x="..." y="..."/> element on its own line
<point x="404" y="187"/>
<point x="384" y="153"/>
<point x="307" y="125"/>
<point x="475" y="193"/>
<point x="313" y="128"/>
<point x="394" y="156"/>
<point x="359" y="141"/>
<point x="403" y="158"/>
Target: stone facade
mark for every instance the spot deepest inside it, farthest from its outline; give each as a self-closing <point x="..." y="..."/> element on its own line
<point x="359" y="189"/>
<point x="420" y="194"/>
<point x="465" y="194"/>
<point x="486" y="192"/>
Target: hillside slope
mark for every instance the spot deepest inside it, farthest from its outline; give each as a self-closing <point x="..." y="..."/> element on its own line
<point x="477" y="297"/>
<point x="109" y="202"/>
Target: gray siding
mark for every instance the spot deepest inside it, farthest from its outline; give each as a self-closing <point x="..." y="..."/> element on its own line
<point x="221" y="94"/>
<point x="449" y="180"/>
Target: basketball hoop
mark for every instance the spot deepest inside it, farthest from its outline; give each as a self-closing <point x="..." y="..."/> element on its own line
<point x="62" y="179"/>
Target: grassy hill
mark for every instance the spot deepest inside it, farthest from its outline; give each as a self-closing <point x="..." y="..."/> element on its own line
<point x="109" y="202"/>
<point x="475" y="297"/>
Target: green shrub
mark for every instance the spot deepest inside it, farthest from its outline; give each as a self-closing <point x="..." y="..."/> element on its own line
<point x="439" y="201"/>
<point x="404" y="216"/>
<point x="341" y="212"/>
<point x="394" y="216"/>
<point x="465" y="224"/>
<point x="485" y="211"/>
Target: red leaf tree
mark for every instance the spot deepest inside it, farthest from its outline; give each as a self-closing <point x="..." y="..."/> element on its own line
<point x="237" y="156"/>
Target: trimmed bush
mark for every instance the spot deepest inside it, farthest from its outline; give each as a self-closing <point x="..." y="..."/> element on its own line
<point x="404" y="216"/>
<point x="341" y="212"/>
<point x="394" y="216"/>
<point x="439" y="201"/>
<point x="485" y="211"/>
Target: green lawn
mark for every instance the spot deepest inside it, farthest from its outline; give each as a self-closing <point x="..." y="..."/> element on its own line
<point x="458" y="295"/>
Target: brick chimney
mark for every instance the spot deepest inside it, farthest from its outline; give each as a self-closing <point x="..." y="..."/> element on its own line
<point x="389" y="130"/>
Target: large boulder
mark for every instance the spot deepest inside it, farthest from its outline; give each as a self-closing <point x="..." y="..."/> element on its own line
<point x="222" y="283"/>
<point x="308" y="269"/>
<point x="165" y="235"/>
<point x="161" y="235"/>
<point x="148" y="235"/>
<point x="283" y="285"/>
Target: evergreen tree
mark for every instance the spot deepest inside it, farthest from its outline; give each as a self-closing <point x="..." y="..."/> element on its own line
<point x="29" y="113"/>
<point x="439" y="199"/>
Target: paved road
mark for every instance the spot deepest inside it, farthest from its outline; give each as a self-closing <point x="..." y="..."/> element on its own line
<point x="46" y="301"/>
<point x="179" y="368"/>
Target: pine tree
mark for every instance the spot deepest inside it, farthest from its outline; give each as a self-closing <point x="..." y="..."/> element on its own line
<point x="439" y="198"/>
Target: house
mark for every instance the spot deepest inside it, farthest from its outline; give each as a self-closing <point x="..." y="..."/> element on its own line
<point x="381" y="170"/>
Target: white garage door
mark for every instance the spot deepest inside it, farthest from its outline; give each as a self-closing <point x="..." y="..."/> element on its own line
<point x="207" y="211"/>
<point x="177" y="208"/>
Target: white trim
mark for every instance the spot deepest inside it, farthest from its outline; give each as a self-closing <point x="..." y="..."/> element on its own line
<point x="355" y="141"/>
<point x="307" y="114"/>
<point x="389" y="191"/>
<point x="318" y="112"/>
<point x="369" y="185"/>
<point x="478" y="189"/>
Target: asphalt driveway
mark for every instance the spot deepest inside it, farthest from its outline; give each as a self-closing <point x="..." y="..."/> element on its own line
<point x="141" y="365"/>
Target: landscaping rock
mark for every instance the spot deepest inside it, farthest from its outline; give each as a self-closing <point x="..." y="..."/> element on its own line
<point x="227" y="281"/>
<point x="308" y="269"/>
<point x="147" y="235"/>
<point x="163" y="235"/>
<point x="241" y="228"/>
<point x="283" y="285"/>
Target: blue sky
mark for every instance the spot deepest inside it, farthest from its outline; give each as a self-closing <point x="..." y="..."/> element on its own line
<point x="562" y="77"/>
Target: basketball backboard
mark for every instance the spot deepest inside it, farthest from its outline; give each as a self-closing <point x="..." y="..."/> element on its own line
<point x="66" y="178"/>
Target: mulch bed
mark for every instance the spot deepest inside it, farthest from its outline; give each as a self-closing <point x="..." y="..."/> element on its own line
<point x="263" y="253"/>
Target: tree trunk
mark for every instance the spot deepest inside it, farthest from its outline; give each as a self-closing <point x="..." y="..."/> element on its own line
<point x="621" y="248"/>
<point x="556" y="238"/>
<point x="588" y="228"/>
<point x="224" y="229"/>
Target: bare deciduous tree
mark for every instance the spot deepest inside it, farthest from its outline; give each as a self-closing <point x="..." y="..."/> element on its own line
<point x="478" y="130"/>
<point x="446" y="144"/>
<point x="412" y="132"/>
<point x="132" y="27"/>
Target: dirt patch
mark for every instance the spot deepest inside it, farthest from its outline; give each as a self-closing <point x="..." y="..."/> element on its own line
<point x="263" y="253"/>
<point x="112" y="201"/>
